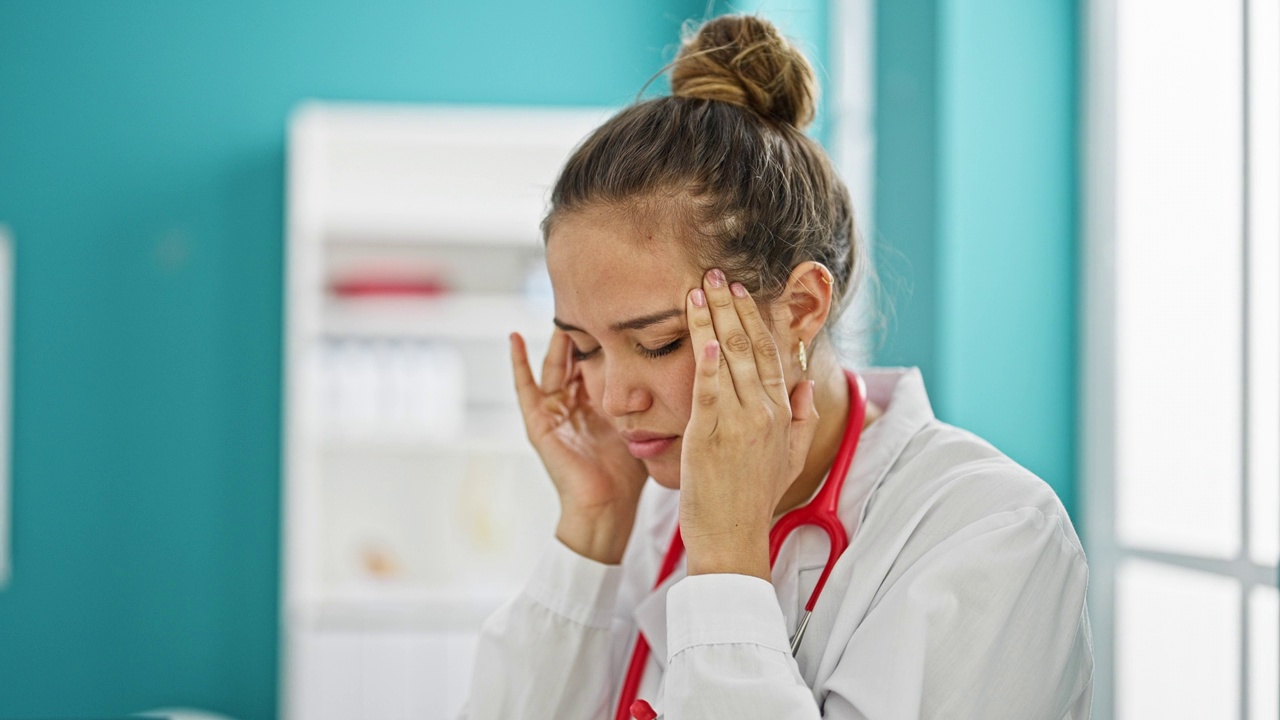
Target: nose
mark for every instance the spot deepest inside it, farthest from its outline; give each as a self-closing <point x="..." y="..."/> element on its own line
<point x="624" y="392"/>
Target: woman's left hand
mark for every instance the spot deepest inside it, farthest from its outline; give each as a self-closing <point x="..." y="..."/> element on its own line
<point x="747" y="437"/>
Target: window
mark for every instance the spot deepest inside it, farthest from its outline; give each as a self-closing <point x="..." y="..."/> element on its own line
<point x="1181" y="415"/>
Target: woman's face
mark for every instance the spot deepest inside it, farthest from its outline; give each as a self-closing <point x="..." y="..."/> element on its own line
<point x="620" y="288"/>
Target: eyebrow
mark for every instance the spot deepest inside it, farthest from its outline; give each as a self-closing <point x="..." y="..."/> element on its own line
<point x="639" y="323"/>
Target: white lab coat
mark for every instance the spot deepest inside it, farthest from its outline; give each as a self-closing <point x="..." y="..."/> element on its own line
<point x="961" y="595"/>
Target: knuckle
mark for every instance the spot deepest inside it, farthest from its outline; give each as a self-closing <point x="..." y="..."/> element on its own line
<point x="702" y="321"/>
<point x="773" y="413"/>
<point x="706" y="400"/>
<point x="767" y="347"/>
<point x="720" y="300"/>
<point x="759" y="413"/>
<point x="747" y="309"/>
<point x="738" y="342"/>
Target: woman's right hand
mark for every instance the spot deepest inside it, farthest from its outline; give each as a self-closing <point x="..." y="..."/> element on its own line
<point x="598" y="480"/>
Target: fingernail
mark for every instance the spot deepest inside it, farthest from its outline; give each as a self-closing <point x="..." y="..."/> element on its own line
<point x="738" y="290"/>
<point x="716" y="278"/>
<point x="699" y="299"/>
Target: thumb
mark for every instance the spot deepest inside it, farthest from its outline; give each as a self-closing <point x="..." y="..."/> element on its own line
<point x="804" y="422"/>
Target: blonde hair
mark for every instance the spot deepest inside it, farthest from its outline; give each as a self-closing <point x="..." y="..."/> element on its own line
<point x="744" y="60"/>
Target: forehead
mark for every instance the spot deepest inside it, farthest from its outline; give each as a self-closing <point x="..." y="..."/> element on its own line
<point x="609" y="266"/>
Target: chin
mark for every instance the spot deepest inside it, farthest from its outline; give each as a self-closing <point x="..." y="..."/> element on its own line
<point x="665" y="473"/>
<point x="665" y="468"/>
<point x="670" y="481"/>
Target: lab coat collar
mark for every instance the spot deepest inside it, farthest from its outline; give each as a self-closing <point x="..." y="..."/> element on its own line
<point x="900" y="393"/>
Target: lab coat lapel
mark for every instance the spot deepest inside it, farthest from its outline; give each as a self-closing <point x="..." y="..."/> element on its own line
<point x="651" y="618"/>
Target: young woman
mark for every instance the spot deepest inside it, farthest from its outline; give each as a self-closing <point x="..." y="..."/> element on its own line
<point x="699" y="246"/>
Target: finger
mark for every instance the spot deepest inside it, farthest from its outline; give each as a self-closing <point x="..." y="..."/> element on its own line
<point x="576" y="396"/>
<point x="526" y="388"/>
<point x="706" y="390"/>
<point x="555" y="366"/>
<point x="734" y="342"/>
<point x="804" y="422"/>
<point x="701" y="328"/>
<point x="764" y="347"/>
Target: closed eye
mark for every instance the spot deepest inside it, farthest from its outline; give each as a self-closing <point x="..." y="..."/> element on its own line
<point x="664" y="350"/>
<point x="674" y="345"/>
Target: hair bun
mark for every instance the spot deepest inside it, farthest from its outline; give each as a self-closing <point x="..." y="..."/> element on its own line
<point x="744" y="60"/>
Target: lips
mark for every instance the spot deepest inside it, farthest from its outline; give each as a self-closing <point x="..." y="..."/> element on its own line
<point x="647" y="445"/>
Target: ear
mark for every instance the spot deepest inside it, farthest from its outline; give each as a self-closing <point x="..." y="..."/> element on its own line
<point x="806" y="301"/>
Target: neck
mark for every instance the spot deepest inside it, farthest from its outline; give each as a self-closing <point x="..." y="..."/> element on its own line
<point x="831" y="398"/>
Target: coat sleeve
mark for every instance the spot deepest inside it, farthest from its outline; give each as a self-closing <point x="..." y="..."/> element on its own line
<point x="728" y="654"/>
<point x="550" y="652"/>
<point x="990" y="623"/>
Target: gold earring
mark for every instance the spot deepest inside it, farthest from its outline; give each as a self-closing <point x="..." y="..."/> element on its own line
<point x="804" y="360"/>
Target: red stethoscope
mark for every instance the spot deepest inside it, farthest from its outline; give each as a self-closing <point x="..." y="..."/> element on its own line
<point x="820" y="511"/>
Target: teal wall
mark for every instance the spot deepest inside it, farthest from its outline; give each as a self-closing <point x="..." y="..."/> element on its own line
<point x="141" y="170"/>
<point x="1007" y="240"/>
<point x="906" y="184"/>
<point x="976" y="216"/>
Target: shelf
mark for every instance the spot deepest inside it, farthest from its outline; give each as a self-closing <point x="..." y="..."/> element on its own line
<point x="424" y="174"/>
<point x="386" y="227"/>
<point x="483" y="432"/>
<point x="402" y="609"/>
<point x="450" y="317"/>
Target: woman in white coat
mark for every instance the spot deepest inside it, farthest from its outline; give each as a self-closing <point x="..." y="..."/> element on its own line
<point x="699" y="245"/>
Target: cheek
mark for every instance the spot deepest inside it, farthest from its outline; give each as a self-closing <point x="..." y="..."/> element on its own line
<point x="679" y="386"/>
<point x="593" y="379"/>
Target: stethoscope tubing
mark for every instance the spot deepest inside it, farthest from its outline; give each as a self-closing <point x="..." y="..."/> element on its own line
<point x="822" y="510"/>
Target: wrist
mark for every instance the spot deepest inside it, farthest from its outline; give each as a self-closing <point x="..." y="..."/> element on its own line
<point x="744" y="552"/>
<point x="599" y="536"/>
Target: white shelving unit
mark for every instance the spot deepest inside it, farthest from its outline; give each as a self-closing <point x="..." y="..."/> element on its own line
<point x="413" y="505"/>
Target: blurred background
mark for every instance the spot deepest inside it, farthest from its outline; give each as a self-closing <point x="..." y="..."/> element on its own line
<point x="259" y="260"/>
